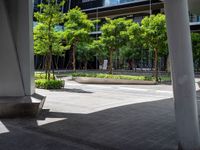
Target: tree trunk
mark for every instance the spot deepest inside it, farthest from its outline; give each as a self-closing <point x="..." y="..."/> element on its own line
<point x="44" y="62"/>
<point x="156" y="64"/>
<point x="111" y="62"/>
<point x="48" y="66"/>
<point x="49" y="60"/>
<point x="134" y="65"/>
<point x="53" y="68"/>
<point x="168" y="64"/>
<point x="74" y="57"/>
<point x="64" y="63"/>
<point x="85" y="65"/>
<point x="49" y="55"/>
<point x="56" y="62"/>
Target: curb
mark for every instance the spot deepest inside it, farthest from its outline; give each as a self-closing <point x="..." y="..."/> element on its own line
<point x="87" y="80"/>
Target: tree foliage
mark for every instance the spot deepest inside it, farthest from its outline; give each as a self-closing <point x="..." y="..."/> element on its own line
<point x="100" y="50"/>
<point x="85" y="52"/>
<point x="118" y="35"/>
<point x="133" y="48"/>
<point x="41" y="41"/>
<point x="47" y="41"/>
<point x="77" y="29"/>
<point x="155" y="37"/>
<point x="196" y="47"/>
<point x="114" y="35"/>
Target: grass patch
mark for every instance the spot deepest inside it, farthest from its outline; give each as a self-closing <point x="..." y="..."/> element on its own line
<point x="125" y="77"/>
<point x="42" y="76"/>
<point x="109" y="76"/>
<point x="164" y="78"/>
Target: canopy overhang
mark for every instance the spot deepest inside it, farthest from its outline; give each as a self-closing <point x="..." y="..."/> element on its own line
<point x="194" y="6"/>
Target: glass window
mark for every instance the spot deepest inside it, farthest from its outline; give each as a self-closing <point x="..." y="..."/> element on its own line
<point x="115" y="2"/>
<point x="111" y="2"/>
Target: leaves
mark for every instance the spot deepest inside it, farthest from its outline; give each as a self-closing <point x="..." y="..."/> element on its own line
<point x="154" y="33"/>
<point x="117" y="34"/>
<point x="114" y="32"/>
<point x="85" y="51"/>
<point x="100" y="49"/>
<point x="77" y="26"/>
<point x="196" y="46"/>
<point x="46" y="38"/>
<point x="134" y="45"/>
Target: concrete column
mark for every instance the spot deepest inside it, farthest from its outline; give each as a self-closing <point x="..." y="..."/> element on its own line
<point x="11" y="83"/>
<point x="183" y="74"/>
<point x="16" y="59"/>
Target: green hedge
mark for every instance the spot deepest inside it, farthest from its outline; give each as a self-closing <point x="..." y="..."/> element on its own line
<point x="49" y="84"/>
<point x="126" y="77"/>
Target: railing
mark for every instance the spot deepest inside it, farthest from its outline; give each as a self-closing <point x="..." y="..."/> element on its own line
<point x="194" y="18"/>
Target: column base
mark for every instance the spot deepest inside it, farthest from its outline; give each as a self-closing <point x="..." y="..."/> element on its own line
<point x="27" y="106"/>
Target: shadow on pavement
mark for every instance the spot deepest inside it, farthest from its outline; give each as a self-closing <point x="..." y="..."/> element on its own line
<point x="143" y="126"/>
<point x="71" y="90"/>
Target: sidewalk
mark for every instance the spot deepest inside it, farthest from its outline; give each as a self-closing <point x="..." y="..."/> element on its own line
<point x="145" y="126"/>
<point x="91" y="118"/>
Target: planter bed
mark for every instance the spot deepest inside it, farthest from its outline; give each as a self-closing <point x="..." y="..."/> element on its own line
<point x="90" y="80"/>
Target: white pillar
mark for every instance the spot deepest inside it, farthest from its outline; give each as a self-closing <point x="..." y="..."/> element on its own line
<point x="179" y="40"/>
<point x="16" y="59"/>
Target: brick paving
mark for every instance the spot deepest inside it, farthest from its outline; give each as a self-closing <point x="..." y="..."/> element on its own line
<point x="145" y="126"/>
<point x="137" y="126"/>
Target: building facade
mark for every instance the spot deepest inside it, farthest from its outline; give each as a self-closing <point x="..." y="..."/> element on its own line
<point x="135" y="9"/>
<point x="131" y="9"/>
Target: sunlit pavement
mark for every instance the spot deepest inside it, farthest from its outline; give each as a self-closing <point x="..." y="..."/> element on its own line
<point x="97" y="117"/>
<point x="85" y="99"/>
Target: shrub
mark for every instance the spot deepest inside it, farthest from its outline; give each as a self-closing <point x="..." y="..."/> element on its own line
<point x="49" y="84"/>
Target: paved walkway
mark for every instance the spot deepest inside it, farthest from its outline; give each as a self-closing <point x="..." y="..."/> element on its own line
<point x="95" y="117"/>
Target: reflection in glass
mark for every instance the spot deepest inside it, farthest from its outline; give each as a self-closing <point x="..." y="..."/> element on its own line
<point x="115" y="2"/>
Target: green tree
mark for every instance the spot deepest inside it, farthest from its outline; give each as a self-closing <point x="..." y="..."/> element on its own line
<point x="77" y="29"/>
<point x="85" y="53"/>
<point x="132" y="50"/>
<point x="47" y="41"/>
<point x="114" y="36"/>
<point x="155" y="37"/>
<point x="196" y="48"/>
<point x="100" y="50"/>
